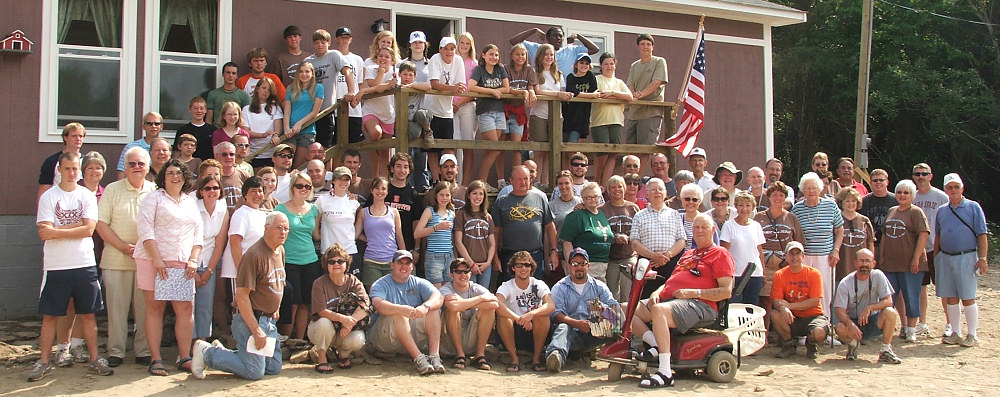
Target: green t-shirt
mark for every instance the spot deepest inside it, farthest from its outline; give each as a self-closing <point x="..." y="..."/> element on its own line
<point x="299" y="248"/>
<point x="591" y="232"/>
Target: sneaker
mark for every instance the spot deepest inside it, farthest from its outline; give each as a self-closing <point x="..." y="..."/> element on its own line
<point x="969" y="341"/>
<point x="887" y="356"/>
<point x="947" y="329"/>
<point x="64" y="358"/>
<point x="787" y="349"/>
<point x="911" y="336"/>
<point x="852" y="351"/>
<point x="812" y="350"/>
<point x="502" y="183"/>
<point x="100" y="367"/>
<point x="39" y="370"/>
<point x="428" y="136"/>
<point x="554" y="361"/>
<point x="923" y="329"/>
<point x="80" y="354"/>
<point x="436" y="363"/>
<point x="423" y="364"/>
<point x="836" y="342"/>
<point x="491" y="189"/>
<point x="198" y="359"/>
<point x="952" y="339"/>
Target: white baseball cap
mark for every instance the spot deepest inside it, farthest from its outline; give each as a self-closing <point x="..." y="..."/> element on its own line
<point x="447" y="40"/>
<point x="953" y="178"/>
<point x="417" y="36"/>
<point x="698" y="152"/>
<point x="446" y="157"/>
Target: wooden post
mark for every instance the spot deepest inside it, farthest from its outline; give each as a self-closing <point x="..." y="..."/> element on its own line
<point x="555" y="138"/>
<point x="861" y="118"/>
<point x="343" y="134"/>
<point x="402" y="126"/>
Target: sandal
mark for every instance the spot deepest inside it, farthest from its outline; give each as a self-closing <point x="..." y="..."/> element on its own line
<point x="648" y="356"/>
<point x="656" y="381"/>
<point x="479" y="362"/>
<point x="539" y="367"/>
<point x="514" y="367"/>
<point x="181" y="362"/>
<point x="156" y="368"/>
<point x="459" y="363"/>
<point x="344" y="363"/>
<point x="323" y="368"/>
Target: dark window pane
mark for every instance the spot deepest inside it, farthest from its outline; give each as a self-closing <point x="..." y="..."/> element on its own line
<point x="178" y="84"/>
<point x="88" y="92"/>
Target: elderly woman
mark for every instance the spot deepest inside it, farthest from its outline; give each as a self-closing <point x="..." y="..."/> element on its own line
<point x="902" y="258"/>
<point x="215" y="232"/>
<point x="727" y="176"/>
<point x="302" y="265"/>
<point x="780" y="227"/>
<point x="823" y="228"/>
<point x="589" y="229"/>
<point x="339" y="311"/>
<point x="858" y="231"/>
<point x="681" y="178"/>
<point x="744" y="239"/>
<point x="755" y="177"/>
<point x="690" y="196"/>
<point x="633" y="183"/>
<point x="622" y="257"/>
<point x="170" y="237"/>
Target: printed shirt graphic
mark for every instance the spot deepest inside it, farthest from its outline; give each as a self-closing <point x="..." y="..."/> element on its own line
<point x="521" y="301"/>
<point x="62" y="208"/>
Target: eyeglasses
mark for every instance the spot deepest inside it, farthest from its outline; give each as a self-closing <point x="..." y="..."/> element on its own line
<point x="242" y="145"/>
<point x="579" y="164"/>
<point x="578" y="264"/>
<point x="175" y="173"/>
<point x="336" y="261"/>
<point x="879" y="180"/>
<point x="898" y="192"/>
<point x="519" y="265"/>
<point x="591" y="197"/>
<point x="459" y="271"/>
<point x="719" y="199"/>
<point x="133" y="164"/>
<point x="152" y="123"/>
<point x="227" y="154"/>
<point x="921" y="173"/>
<point x="302" y="186"/>
<point x="692" y="199"/>
<point x="285" y="156"/>
<point x="211" y="188"/>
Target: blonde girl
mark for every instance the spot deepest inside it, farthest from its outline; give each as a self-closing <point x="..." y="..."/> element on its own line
<point x="303" y="100"/>
<point x="230" y="124"/>
<point x="379" y="114"/>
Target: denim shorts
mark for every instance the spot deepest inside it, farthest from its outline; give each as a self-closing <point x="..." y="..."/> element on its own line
<point x="907" y="285"/>
<point x="301" y="140"/>
<point x="513" y="127"/>
<point x="492" y="120"/>
<point x="437" y="267"/>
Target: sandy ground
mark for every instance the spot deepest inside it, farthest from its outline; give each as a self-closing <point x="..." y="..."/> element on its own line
<point x="929" y="368"/>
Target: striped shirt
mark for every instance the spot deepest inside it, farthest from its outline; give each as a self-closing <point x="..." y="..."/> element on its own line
<point x="440" y="241"/>
<point x="657" y="230"/>
<point x="818" y="222"/>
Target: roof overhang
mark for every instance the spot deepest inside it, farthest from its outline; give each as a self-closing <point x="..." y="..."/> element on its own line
<point x="755" y="11"/>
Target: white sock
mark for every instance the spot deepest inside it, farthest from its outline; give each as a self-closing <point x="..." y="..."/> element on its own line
<point x="62" y="346"/>
<point x="955" y="319"/>
<point x="911" y="330"/>
<point x="649" y="339"/>
<point x="854" y="343"/>
<point x="74" y="342"/>
<point x="665" y="364"/>
<point x="972" y="318"/>
<point x="886" y="347"/>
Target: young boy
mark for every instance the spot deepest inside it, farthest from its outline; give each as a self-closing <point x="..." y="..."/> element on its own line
<point x="329" y="66"/>
<point x="228" y="92"/>
<point x="242" y="144"/>
<point x="287" y="61"/>
<point x="420" y="119"/>
<point x="198" y="128"/>
<point x="355" y="134"/>
<point x="187" y="144"/>
<point x="67" y="216"/>
<point x="257" y="60"/>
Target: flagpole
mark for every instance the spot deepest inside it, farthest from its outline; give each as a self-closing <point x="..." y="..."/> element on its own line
<point x="687" y="73"/>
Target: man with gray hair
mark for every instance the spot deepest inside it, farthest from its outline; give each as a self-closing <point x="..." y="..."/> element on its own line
<point x="681" y="178"/>
<point x="152" y="124"/>
<point x="657" y="231"/>
<point x="928" y="198"/>
<point x="232" y="177"/>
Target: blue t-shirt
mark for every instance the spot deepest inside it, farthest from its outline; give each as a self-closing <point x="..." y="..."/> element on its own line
<point x="413" y="292"/>
<point x="955" y="236"/>
<point x="302" y="105"/>
<point x="299" y="248"/>
<point x="565" y="56"/>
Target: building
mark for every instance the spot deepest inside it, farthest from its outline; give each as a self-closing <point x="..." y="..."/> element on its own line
<point x="106" y="62"/>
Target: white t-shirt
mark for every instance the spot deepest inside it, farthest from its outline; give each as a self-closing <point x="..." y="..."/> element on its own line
<point x="743" y="243"/>
<point x="337" y="221"/>
<point x="548" y="83"/>
<point x="357" y="66"/>
<point x="382" y="107"/>
<point x="62" y="208"/>
<point x="211" y="226"/>
<point x="282" y="192"/>
<point x="521" y="301"/>
<point x="262" y="122"/>
<point x="440" y="105"/>
<point x="246" y="222"/>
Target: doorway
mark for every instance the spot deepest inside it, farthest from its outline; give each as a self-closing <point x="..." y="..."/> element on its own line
<point x="433" y="28"/>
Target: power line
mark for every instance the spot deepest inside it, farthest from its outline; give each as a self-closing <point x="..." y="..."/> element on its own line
<point x="917" y="10"/>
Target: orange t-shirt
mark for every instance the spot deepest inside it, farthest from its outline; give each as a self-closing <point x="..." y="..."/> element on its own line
<point x="797" y="287"/>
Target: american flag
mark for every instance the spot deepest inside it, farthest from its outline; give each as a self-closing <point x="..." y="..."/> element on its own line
<point x="693" y="117"/>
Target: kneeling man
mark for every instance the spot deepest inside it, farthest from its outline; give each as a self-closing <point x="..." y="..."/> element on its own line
<point x="408" y="315"/>
<point x="797" y="304"/>
<point x="469" y="315"/>
<point x="863" y="306"/>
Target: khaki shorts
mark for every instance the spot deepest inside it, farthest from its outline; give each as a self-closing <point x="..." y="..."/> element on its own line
<point x="538" y="129"/>
<point x="383" y="335"/>
<point x="470" y="330"/>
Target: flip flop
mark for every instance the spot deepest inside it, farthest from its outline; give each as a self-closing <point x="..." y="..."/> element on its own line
<point x="157" y="365"/>
<point x="344" y="363"/>
<point x="323" y="368"/>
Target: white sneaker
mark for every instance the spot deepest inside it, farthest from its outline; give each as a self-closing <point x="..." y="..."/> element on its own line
<point x="947" y="329"/>
<point x="911" y="336"/>
<point x="80" y="354"/>
<point x="836" y="342"/>
<point x="198" y="359"/>
<point x="923" y="329"/>
<point x="64" y="358"/>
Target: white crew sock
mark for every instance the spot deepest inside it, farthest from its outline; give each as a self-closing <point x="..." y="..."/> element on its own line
<point x="62" y="346"/>
<point x="665" y="364"/>
<point x="887" y="347"/>
<point x="972" y="318"/>
<point x="650" y="339"/>
<point x="74" y="342"/>
<point x="955" y="319"/>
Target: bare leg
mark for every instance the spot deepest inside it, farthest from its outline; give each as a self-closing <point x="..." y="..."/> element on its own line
<point x="88" y="326"/>
<point x="486" y="319"/>
<point x="154" y="323"/>
<point x="402" y="327"/>
<point x="48" y="334"/>
<point x="432" y="324"/>
<point x="453" y="322"/>
<point x="183" y="326"/>
<point x="505" y="327"/>
<point x="539" y="330"/>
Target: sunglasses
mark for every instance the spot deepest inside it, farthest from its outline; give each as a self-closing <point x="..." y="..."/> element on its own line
<point x="521" y="265"/>
<point x="578" y="264"/>
<point x="152" y="123"/>
<point x="879" y="180"/>
<point x="898" y="192"/>
<point x="634" y="183"/>
<point x="695" y="272"/>
<point x="719" y="199"/>
<point x="336" y="261"/>
<point x="133" y="164"/>
<point x="302" y="186"/>
<point x="242" y="145"/>
<point x="692" y="199"/>
<point x="211" y="188"/>
<point x="579" y="164"/>
<point x="285" y="156"/>
<point x="921" y="173"/>
<point x="459" y="271"/>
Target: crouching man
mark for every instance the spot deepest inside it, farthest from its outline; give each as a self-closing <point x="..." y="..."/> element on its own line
<point x="863" y="306"/>
<point x="796" y="300"/>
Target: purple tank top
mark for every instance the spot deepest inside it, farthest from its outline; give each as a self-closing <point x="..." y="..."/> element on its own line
<point x="381" y="233"/>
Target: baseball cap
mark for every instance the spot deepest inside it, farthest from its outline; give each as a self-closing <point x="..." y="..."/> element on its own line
<point x="400" y="254"/>
<point x="343" y="31"/>
<point x="698" y="152"/>
<point x="953" y="178"/>
<point x="584" y="55"/>
<point x="793" y="245"/>
<point x="446" y="157"/>
<point x="459" y="262"/>
<point x="417" y="35"/>
<point x="340" y="172"/>
<point x="448" y="40"/>
<point x="579" y="251"/>
<point x="281" y="146"/>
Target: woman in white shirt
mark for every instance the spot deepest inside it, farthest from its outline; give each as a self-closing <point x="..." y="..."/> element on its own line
<point x="744" y="239"/>
<point x="263" y="118"/>
<point x="215" y="231"/>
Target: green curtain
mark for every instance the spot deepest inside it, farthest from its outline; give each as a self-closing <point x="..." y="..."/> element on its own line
<point x="105" y="14"/>
<point x="200" y="15"/>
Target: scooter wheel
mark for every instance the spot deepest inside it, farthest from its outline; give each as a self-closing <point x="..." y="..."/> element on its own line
<point x="721" y="367"/>
<point x="615" y="372"/>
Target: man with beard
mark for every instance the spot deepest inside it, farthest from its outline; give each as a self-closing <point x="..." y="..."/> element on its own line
<point x="864" y="309"/>
<point x="449" y="173"/>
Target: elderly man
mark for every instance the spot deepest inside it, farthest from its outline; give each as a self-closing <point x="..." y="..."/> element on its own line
<point x="573" y="296"/>
<point x="928" y="199"/>
<point x="797" y="304"/>
<point x="864" y="308"/>
<point x="688" y="299"/>
<point x="318" y="175"/>
<point x="727" y="176"/>
<point x="657" y="230"/>
<point x="469" y="315"/>
<point x="660" y="167"/>
<point x="875" y="205"/>
<point x="316" y="152"/>
<point x="523" y="316"/>
<point x="282" y="158"/>
<point x="698" y="160"/>
<point x="525" y="223"/>
<point x="152" y="124"/>
<point x="159" y="152"/>
<point x="408" y="315"/>
<point x="532" y="167"/>
<point x="232" y="177"/>
<point x="961" y="240"/>
<point x="449" y="173"/>
<point x="681" y="178"/>
<point x="260" y="282"/>
<point x="116" y="223"/>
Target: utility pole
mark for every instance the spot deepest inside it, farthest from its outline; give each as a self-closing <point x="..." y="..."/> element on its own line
<point x="861" y="121"/>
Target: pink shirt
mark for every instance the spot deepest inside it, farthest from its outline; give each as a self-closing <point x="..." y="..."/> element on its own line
<point x="175" y="226"/>
<point x="220" y="136"/>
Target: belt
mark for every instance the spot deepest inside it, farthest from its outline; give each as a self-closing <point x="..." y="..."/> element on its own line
<point x="259" y="313"/>
<point x="968" y="251"/>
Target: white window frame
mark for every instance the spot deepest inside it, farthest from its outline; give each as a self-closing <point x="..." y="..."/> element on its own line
<point x="154" y="57"/>
<point x="609" y="36"/>
<point x="48" y="128"/>
<point x="431" y="12"/>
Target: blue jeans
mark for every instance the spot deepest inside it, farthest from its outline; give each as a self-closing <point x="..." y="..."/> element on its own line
<point x="420" y="176"/>
<point x="566" y="338"/>
<point x="483" y="279"/>
<point x="751" y="293"/>
<point x="241" y="363"/>
<point x="203" y="300"/>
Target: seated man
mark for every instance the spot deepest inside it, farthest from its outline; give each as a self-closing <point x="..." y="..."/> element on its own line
<point x="469" y="315"/>
<point x="572" y="296"/>
<point x="523" y="320"/>
<point x="408" y="315"/>
<point x="864" y="308"/>
<point x="702" y="277"/>
<point x="796" y="299"/>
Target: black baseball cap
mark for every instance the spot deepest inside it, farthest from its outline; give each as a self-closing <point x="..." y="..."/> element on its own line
<point x="343" y="31"/>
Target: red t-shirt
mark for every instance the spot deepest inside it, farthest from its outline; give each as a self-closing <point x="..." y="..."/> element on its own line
<point x="797" y="287"/>
<point x="711" y="264"/>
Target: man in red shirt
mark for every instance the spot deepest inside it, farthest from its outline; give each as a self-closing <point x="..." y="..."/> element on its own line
<point x="796" y="299"/>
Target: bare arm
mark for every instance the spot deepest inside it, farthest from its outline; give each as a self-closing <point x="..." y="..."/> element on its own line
<point x="723" y="291"/>
<point x="48" y="232"/>
<point x="236" y="249"/>
<point x="455" y="303"/>
<point x="421" y="230"/>
<point x="517" y="38"/>
<point x="591" y="47"/>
